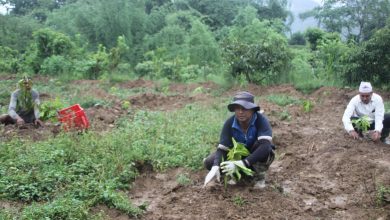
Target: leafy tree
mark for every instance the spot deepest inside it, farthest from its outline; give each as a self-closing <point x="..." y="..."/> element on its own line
<point x="297" y="38"/>
<point x="155" y="20"/>
<point x="245" y="16"/>
<point x="38" y="9"/>
<point x="331" y="52"/>
<point x="174" y="37"/>
<point x="117" y="53"/>
<point x="182" y="45"/>
<point x="261" y="53"/>
<point x="99" y="63"/>
<point x="8" y="60"/>
<point x="355" y="17"/>
<point x="16" y="32"/>
<point x="217" y="14"/>
<point x="103" y="22"/>
<point x="48" y="43"/>
<point x="150" y="5"/>
<point x="314" y="36"/>
<point x="203" y="49"/>
<point x="272" y="9"/>
<point x="371" y="62"/>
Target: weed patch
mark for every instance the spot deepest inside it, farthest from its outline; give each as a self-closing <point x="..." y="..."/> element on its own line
<point x="282" y="99"/>
<point x="63" y="177"/>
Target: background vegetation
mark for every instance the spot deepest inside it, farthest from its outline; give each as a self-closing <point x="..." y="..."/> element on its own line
<point x="234" y="40"/>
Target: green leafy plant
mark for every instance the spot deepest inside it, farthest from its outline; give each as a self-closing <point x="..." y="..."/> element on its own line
<point x="126" y="105"/>
<point x="237" y="153"/>
<point x="282" y="99"/>
<point x="183" y="179"/>
<point x="285" y="115"/>
<point x="48" y="110"/>
<point x="239" y="201"/>
<point x="382" y="195"/>
<point x="307" y="105"/>
<point x="362" y="123"/>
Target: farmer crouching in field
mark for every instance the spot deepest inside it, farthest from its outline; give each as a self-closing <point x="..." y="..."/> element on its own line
<point x="249" y="127"/>
<point x="369" y="108"/>
<point x="23" y="107"/>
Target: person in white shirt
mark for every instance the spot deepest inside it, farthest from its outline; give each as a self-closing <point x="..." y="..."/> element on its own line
<point x="367" y="103"/>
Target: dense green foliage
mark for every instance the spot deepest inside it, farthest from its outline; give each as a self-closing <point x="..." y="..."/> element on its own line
<point x="297" y="38"/>
<point x="359" y="19"/>
<point x="371" y="62"/>
<point x="190" y="40"/>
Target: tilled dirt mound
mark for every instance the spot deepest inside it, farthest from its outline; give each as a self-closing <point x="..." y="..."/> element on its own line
<point x="319" y="172"/>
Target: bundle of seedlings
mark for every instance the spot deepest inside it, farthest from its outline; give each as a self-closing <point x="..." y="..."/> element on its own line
<point x="238" y="152"/>
<point x="362" y="124"/>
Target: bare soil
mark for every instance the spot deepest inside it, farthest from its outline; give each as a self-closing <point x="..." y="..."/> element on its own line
<point x="319" y="173"/>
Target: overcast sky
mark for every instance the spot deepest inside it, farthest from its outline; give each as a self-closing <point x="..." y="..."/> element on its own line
<point x="318" y="1"/>
<point x="3" y="10"/>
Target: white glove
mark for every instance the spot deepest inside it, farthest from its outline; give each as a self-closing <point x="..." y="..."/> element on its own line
<point x="229" y="167"/>
<point x="214" y="172"/>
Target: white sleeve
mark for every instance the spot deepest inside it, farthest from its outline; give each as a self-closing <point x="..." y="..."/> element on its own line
<point x="37" y="102"/>
<point x="379" y="114"/>
<point x="348" y="114"/>
<point x="12" y="106"/>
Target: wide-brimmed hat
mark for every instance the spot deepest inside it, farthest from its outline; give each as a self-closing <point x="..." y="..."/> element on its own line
<point x="244" y="99"/>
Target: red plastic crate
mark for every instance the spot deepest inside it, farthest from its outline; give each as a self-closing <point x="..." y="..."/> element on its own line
<point x="73" y="118"/>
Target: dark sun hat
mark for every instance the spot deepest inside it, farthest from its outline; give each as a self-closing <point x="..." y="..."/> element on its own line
<point x="244" y="99"/>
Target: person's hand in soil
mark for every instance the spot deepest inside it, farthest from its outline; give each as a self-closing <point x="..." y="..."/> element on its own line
<point x="353" y="134"/>
<point x="375" y="135"/>
<point x="20" y="121"/>
<point x="38" y="123"/>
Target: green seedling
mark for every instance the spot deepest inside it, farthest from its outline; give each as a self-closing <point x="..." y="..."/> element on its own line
<point x="239" y="201"/>
<point x="307" y="105"/>
<point x="382" y="195"/>
<point x="126" y="105"/>
<point x="183" y="180"/>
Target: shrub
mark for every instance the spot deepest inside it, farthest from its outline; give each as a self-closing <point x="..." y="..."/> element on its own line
<point x="8" y="60"/>
<point x="48" y="109"/>
<point x="297" y="38"/>
<point x="56" y="65"/>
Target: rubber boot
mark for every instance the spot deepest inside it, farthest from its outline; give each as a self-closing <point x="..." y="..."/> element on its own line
<point x="384" y="135"/>
<point x="260" y="171"/>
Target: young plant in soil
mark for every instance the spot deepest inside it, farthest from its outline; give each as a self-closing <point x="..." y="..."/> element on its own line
<point x="239" y="201"/>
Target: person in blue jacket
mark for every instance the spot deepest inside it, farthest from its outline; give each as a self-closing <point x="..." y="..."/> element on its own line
<point x="251" y="128"/>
